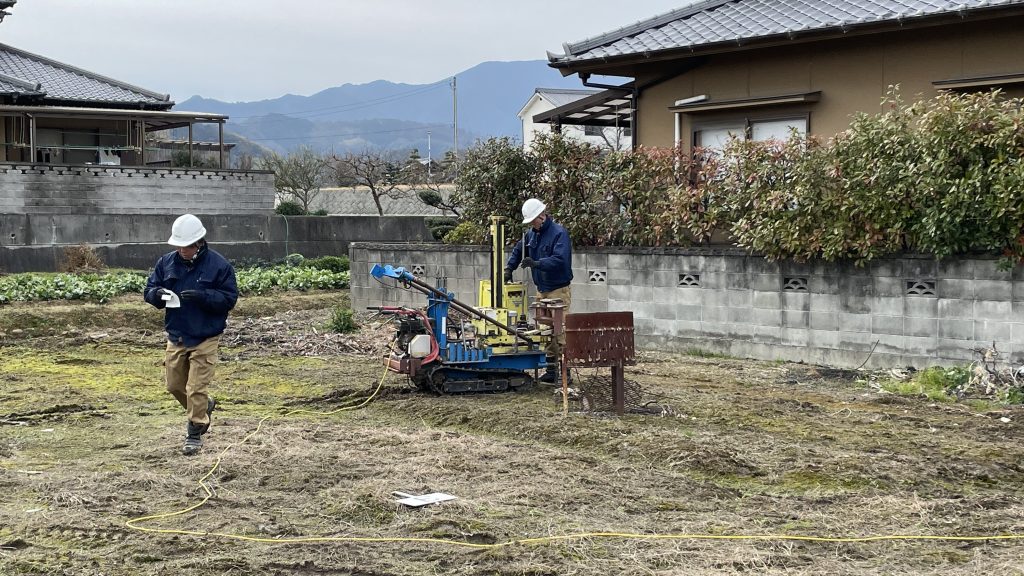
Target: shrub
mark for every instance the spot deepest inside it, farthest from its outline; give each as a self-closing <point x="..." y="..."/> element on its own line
<point x="494" y="179"/>
<point x="289" y="208"/>
<point x="936" y="383"/>
<point x="466" y="233"/>
<point x="343" y="320"/>
<point x="332" y="263"/>
<point x="439" y="226"/>
<point x="81" y="258"/>
<point x="435" y="199"/>
<point x="942" y="176"/>
<point x="320" y="212"/>
<point x="575" y="185"/>
<point x="1014" y="396"/>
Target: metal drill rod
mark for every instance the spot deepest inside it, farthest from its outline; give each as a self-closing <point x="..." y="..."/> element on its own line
<point x="465" y="309"/>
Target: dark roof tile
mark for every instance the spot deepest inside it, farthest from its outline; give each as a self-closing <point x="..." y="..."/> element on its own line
<point x="717" y="21"/>
<point x="63" y="82"/>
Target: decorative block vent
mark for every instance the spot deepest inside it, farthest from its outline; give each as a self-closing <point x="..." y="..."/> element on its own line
<point x="794" y="284"/>
<point x="689" y="280"/>
<point x="598" y="276"/>
<point x="920" y="287"/>
<point x="418" y="269"/>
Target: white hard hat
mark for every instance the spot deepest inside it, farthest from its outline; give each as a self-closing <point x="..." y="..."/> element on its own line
<point x="186" y="230"/>
<point x="531" y="209"/>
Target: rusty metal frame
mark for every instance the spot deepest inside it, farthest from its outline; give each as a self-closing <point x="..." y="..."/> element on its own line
<point x="602" y="340"/>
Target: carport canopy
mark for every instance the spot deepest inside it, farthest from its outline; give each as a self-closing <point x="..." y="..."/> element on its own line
<point x="610" y="108"/>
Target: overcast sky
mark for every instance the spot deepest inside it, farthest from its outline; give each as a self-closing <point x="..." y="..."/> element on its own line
<point x="242" y="50"/>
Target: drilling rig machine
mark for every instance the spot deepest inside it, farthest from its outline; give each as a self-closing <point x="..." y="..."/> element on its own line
<point x="490" y="347"/>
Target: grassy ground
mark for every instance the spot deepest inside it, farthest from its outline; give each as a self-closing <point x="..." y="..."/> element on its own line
<point x="89" y="440"/>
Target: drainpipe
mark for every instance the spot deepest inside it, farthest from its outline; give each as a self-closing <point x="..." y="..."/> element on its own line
<point x="32" y="138"/>
<point x="585" y="77"/>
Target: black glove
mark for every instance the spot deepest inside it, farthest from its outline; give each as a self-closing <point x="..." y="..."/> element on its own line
<point x="529" y="262"/>
<point x="156" y="296"/>
<point x="508" y="275"/>
<point x="192" y="295"/>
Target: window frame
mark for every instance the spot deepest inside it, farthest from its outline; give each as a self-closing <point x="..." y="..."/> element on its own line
<point x="699" y="124"/>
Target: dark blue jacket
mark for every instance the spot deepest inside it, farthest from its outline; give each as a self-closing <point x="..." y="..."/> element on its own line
<point x="200" y="319"/>
<point x="552" y="249"/>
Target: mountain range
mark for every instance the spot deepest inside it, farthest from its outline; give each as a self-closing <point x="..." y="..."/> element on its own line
<point x="389" y="115"/>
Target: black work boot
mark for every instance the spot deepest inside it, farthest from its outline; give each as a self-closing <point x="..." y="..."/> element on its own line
<point x="551" y="375"/>
<point x="194" y="438"/>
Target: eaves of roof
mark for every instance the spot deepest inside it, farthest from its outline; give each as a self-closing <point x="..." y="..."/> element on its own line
<point x="624" y="46"/>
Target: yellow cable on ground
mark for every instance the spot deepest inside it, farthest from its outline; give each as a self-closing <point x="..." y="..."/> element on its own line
<point x="202" y="481"/>
<point x="519" y="541"/>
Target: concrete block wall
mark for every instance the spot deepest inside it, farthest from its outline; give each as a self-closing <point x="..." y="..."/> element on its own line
<point x="88" y="189"/>
<point x="461" y="266"/>
<point x="35" y="242"/>
<point x="910" y="310"/>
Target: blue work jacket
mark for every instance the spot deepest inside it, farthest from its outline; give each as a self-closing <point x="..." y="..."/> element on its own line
<point x="200" y="319"/>
<point x="551" y="248"/>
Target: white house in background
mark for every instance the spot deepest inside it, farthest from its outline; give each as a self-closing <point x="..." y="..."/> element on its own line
<point x="545" y="99"/>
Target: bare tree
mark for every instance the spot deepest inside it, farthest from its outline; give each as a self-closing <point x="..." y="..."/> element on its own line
<point x="378" y="170"/>
<point x="298" y="176"/>
<point x="614" y="138"/>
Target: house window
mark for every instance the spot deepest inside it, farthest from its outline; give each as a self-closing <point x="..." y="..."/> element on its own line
<point x="717" y="135"/>
<point x="593" y="130"/>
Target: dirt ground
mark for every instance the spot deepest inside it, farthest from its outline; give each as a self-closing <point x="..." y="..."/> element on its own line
<point x="727" y="448"/>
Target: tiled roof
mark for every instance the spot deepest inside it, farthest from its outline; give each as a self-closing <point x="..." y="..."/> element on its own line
<point x="22" y="71"/>
<point x="12" y="85"/>
<point x="359" y="201"/>
<point x="705" y="24"/>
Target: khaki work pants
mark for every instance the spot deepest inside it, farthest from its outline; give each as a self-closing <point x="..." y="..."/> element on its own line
<point x="188" y="372"/>
<point x="555" y="345"/>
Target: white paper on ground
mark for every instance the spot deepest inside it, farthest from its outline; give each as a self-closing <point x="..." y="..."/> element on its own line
<point x="417" y="501"/>
<point x="172" y="299"/>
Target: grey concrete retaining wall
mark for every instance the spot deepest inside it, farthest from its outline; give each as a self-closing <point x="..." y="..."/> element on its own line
<point x="898" y="311"/>
<point x="33" y="242"/>
<point x="88" y="189"/>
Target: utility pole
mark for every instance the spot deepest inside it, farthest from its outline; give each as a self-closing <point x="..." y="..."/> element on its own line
<point x="455" y="122"/>
<point x="430" y="173"/>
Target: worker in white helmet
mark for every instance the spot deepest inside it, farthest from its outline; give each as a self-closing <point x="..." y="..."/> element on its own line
<point x="196" y="288"/>
<point x="549" y="258"/>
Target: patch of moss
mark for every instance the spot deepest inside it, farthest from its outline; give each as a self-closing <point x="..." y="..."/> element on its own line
<point x="930" y="389"/>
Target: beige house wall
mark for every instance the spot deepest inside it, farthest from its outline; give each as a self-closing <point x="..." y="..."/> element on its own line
<point x="852" y="73"/>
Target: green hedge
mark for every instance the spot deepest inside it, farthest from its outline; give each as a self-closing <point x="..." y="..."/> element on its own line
<point x="942" y="176"/>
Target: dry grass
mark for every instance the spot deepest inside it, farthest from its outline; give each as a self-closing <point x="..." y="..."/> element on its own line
<point x="80" y="258"/>
<point x="747" y="448"/>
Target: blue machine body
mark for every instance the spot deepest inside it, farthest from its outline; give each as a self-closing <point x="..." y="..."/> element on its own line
<point x="457" y="354"/>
